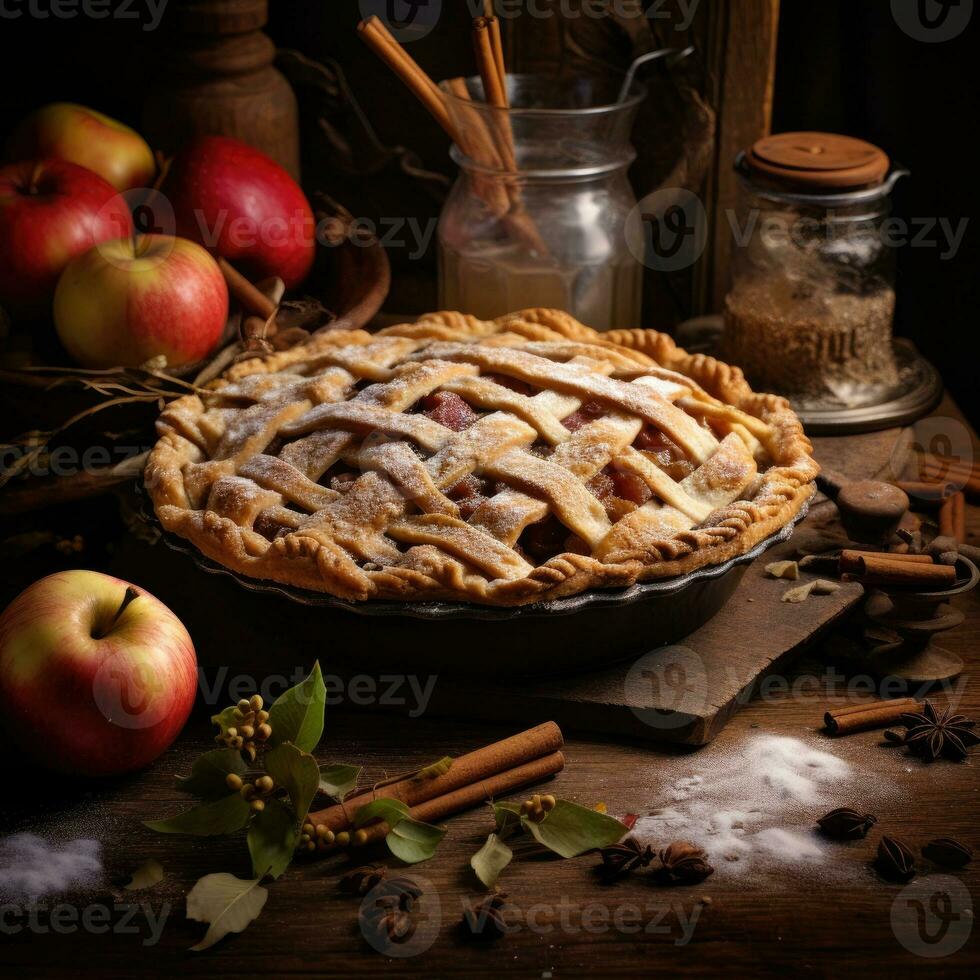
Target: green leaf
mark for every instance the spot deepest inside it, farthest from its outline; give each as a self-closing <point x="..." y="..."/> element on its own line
<point x="570" y="829"/>
<point x="490" y="860"/>
<point x="297" y="772"/>
<point x="337" y="780"/>
<point x="439" y="768"/>
<point x="272" y="838"/>
<point x="225" y="719"/>
<point x="391" y="811"/>
<point x="220" y="817"/>
<point x="507" y="815"/>
<point x="412" y="841"/>
<point x="148" y="874"/>
<point x="297" y="715"/>
<point x="207" y="778"/>
<point x="227" y="903"/>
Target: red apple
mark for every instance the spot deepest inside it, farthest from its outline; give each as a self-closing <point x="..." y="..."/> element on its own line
<point x="86" y="137"/>
<point x="51" y="211"/>
<point x="97" y="677"/>
<point x="242" y="206"/>
<point x="122" y="303"/>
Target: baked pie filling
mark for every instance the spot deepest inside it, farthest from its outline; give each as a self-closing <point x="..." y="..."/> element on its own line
<point x="500" y="462"/>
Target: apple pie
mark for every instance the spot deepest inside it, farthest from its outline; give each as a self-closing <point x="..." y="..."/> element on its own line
<point x="500" y="462"/>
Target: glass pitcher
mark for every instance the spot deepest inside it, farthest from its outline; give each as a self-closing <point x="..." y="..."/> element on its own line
<point x="542" y="213"/>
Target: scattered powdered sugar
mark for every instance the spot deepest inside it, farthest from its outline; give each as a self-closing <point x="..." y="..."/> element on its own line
<point x="31" y="867"/>
<point x="754" y="809"/>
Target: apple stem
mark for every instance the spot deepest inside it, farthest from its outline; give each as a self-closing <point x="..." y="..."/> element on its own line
<point x="130" y="595"/>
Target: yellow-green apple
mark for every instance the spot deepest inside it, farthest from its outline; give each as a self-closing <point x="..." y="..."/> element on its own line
<point x="90" y="139"/>
<point x="50" y="212"/>
<point x="243" y="206"/>
<point x="126" y="301"/>
<point x="97" y="677"/>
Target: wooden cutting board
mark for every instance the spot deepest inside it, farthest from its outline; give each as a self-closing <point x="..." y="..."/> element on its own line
<point x="682" y="693"/>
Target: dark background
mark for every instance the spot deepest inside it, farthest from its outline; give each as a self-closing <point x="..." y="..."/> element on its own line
<point x="842" y="66"/>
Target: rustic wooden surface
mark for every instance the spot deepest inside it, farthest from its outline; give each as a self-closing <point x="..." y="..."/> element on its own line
<point x="812" y="925"/>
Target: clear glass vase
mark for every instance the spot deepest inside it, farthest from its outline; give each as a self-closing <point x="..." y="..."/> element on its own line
<point x="542" y="213"/>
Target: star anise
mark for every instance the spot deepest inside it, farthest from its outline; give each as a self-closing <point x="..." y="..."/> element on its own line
<point x="361" y="880"/>
<point x="846" y="824"/>
<point x="934" y="733"/>
<point x="894" y="859"/>
<point x="622" y="858"/>
<point x="485" y="919"/>
<point x="683" y="863"/>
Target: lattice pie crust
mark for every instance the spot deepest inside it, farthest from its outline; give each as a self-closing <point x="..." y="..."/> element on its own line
<point x="501" y="462"/>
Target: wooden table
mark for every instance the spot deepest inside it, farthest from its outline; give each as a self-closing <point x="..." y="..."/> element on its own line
<point x="568" y="923"/>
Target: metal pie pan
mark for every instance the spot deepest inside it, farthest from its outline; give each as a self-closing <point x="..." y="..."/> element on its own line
<point x="579" y="632"/>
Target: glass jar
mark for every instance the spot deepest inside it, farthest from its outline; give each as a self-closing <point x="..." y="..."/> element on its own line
<point x="810" y="309"/>
<point x="542" y="213"/>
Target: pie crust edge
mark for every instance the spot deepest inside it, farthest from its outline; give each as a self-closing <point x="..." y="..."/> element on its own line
<point x="303" y="561"/>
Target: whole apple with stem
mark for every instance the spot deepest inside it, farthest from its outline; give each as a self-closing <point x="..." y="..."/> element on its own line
<point x="97" y="677"/>
<point x="126" y="301"/>
<point x="50" y="212"/>
<point x="241" y="205"/>
<point x="89" y="138"/>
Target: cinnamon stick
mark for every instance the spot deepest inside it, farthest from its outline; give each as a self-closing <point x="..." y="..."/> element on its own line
<point x="959" y="516"/>
<point x="850" y="559"/>
<point x="922" y="490"/>
<point x="868" y="714"/>
<point x="898" y="570"/>
<point x="476" y="794"/>
<point x="946" y="518"/>
<point x="497" y="47"/>
<point x="473" y="768"/>
<point x="377" y="37"/>
<point x="252" y="299"/>
<point x="962" y="476"/>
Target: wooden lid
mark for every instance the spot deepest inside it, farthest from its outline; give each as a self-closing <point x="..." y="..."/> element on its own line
<point x="817" y="161"/>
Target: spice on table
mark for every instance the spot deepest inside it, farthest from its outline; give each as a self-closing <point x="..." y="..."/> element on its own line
<point x="934" y="732"/>
<point x="683" y="863"/>
<point x="783" y="569"/>
<point x="485" y="919"/>
<point x="620" y="859"/>
<point x="868" y="714"/>
<point x="895" y="860"/>
<point x="947" y="851"/>
<point x="845" y="823"/>
<point x="902" y="570"/>
<point x="361" y="880"/>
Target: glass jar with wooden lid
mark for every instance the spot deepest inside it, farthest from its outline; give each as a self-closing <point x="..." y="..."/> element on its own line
<point x="810" y="309"/>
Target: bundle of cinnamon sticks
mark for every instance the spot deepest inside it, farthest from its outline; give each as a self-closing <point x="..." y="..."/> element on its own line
<point x="947" y="482"/>
<point x="866" y="715"/>
<point x="918" y="572"/>
<point x="470" y="781"/>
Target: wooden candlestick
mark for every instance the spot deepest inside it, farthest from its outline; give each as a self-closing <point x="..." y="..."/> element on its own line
<point x="217" y="78"/>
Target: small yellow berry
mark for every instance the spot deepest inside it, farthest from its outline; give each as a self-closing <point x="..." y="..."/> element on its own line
<point x="360" y="838"/>
<point x="263" y="716"/>
<point x="258" y="805"/>
<point x="264" y="784"/>
<point x="234" y="781"/>
<point x="308" y="828"/>
<point x="548" y="803"/>
<point x="310" y="846"/>
<point x="256" y="702"/>
<point x="342" y="839"/>
<point x="263" y="732"/>
<point x="247" y="791"/>
<point x="243" y="705"/>
<point x="247" y="731"/>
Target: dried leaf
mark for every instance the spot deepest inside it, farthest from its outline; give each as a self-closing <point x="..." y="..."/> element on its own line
<point x="490" y="860"/>
<point x="228" y="903"/>
<point x="148" y="874"/>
